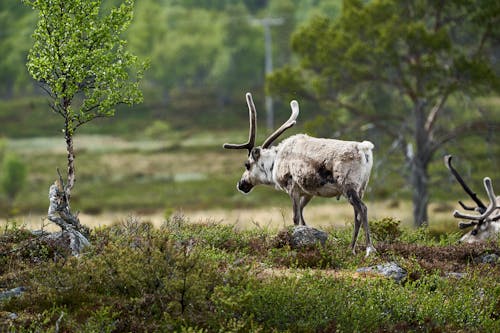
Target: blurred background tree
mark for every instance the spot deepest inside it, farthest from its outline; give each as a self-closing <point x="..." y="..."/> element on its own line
<point x="400" y="68"/>
<point x="12" y="178"/>
<point x="342" y="65"/>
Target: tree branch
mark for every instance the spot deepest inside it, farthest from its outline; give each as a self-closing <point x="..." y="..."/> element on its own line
<point x="376" y="119"/>
<point x="484" y="37"/>
<point x="82" y="122"/>
<point x="466" y="129"/>
<point x="431" y="118"/>
<point x="42" y="84"/>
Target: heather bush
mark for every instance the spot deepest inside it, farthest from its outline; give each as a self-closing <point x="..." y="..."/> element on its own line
<point x="322" y="303"/>
<point x="386" y="229"/>
<point x="210" y="277"/>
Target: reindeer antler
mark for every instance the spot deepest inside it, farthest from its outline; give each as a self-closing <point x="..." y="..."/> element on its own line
<point x="488" y="211"/>
<point x="252" y="114"/>
<point x="480" y="205"/>
<point x="289" y="123"/>
<point x="483" y="210"/>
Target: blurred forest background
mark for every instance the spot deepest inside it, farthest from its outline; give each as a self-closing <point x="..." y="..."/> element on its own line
<point x="165" y="154"/>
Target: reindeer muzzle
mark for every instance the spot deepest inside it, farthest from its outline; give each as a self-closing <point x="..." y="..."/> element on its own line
<point x="244" y="186"/>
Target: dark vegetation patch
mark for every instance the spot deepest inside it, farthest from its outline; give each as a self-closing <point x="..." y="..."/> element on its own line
<point x="448" y="258"/>
<point x="211" y="277"/>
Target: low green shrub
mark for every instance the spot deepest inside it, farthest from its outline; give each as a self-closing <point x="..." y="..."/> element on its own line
<point x="386" y="229"/>
<point x="210" y="277"/>
<point x="321" y="303"/>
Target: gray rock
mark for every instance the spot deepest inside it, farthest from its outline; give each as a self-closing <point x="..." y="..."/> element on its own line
<point x="12" y="293"/>
<point x="456" y="275"/>
<point x="489" y="258"/>
<point x="12" y="316"/>
<point x="304" y="236"/>
<point x="390" y="270"/>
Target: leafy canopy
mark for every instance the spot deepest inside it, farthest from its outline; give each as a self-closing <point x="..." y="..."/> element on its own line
<point x="80" y="60"/>
<point x="417" y="51"/>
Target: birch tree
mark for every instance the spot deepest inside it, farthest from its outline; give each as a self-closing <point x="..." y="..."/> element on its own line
<point x="81" y="62"/>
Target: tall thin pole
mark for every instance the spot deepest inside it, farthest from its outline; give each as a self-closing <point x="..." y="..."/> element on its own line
<point x="267" y="23"/>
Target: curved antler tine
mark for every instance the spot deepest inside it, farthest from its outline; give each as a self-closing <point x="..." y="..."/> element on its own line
<point x="488" y="186"/>
<point x="447" y="161"/>
<point x="460" y="180"/>
<point x="252" y="115"/>
<point x="489" y="210"/>
<point x="289" y="123"/>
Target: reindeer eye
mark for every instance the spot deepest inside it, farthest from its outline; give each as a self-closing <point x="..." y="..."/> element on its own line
<point x="247" y="165"/>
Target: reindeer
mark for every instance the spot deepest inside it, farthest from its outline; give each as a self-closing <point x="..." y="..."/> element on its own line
<point x="487" y="222"/>
<point x="304" y="167"/>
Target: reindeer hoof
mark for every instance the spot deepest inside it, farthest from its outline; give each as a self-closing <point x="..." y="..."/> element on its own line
<point x="370" y="249"/>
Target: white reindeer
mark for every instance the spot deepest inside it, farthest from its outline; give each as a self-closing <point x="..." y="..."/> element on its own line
<point x="304" y="167"/>
<point x="486" y="222"/>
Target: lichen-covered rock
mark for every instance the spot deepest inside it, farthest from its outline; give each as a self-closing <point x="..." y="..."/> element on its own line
<point x="456" y="275"/>
<point x="304" y="236"/>
<point x="488" y="258"/>
<point x="15" y="292"/>
<point x="390" y="270"/>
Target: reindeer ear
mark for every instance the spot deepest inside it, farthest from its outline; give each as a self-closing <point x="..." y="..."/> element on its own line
<point x="256" y="153"/>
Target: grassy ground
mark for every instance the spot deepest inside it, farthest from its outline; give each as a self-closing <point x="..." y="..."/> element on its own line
<point x="323" y="214"/>
<point x="209" y="277"/>
<point x="192" y="174"/>
<point x="209" y="259"/>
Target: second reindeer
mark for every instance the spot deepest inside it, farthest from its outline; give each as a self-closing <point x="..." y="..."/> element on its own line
<point x="304" y="167"/>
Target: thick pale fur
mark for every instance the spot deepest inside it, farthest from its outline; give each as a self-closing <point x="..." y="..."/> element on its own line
<point x="322" y="167"/>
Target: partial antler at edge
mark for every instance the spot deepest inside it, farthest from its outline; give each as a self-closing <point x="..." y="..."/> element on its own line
<point x="480" y="205"/>
<point x="489" y="210"/>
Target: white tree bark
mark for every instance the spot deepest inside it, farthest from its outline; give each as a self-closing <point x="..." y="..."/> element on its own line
<point x="60" y="214"/>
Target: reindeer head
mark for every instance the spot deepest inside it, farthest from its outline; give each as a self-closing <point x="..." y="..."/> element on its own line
<point x="260" y="162"/>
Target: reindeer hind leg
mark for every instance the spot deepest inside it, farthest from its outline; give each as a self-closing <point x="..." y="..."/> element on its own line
<point x="357" y="222"/>
<point x="360" y="218"/>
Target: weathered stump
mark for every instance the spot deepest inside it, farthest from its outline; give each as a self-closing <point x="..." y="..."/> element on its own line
<point x="60" y="214"/>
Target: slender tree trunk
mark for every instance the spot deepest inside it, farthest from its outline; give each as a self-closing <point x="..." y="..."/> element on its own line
<point x="419" y="166"/>
<point x="71" y="161"/>
<point x="59" y="209"/>
<point x="419" y="182"/>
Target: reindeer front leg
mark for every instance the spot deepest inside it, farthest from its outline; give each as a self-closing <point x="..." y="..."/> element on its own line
<point x="297" y="211"/>
<point x="304" y="200"/>
<point x="299" y="201"/>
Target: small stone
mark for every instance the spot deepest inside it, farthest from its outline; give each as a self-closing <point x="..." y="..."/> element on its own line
<point x="456" y="275"/>
<point x="489" y="258"/>
<point x="15" y="292"/>
<point x="12" y="316"/>
<point x="390" y="270"/>
<point x="304" y="236"/>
